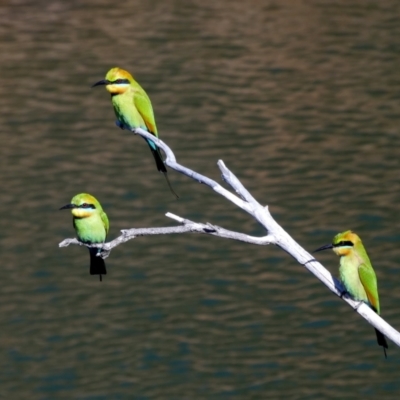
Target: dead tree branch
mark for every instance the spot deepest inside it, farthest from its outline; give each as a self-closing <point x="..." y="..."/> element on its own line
<point x="276" y="234"/>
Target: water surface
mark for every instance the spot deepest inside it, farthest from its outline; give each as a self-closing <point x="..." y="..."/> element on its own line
<point x="300" y="100"/>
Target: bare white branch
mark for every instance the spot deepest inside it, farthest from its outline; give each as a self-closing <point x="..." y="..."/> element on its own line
<point x="276" y="234"/>
<point x="186" y="227"/>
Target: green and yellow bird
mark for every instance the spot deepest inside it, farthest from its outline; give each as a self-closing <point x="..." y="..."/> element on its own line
<point x="91" y="226"/>
<point x="356" y="273"/>
<point x="133" y="109"/>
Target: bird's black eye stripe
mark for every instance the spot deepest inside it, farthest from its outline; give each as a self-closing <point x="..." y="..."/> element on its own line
<point x="344" y="243"/>
<point x="121" y="81"/>
<point x="86" y="205"/>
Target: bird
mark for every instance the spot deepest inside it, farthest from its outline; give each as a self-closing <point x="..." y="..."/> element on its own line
<point x="357" y="274"/>
<point x="133" y="109"/>
<point x="91" y="226"/>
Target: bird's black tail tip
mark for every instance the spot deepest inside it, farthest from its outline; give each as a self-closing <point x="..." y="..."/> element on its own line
<point x="97" y="265"/>
<point x="381" y="341"/>
<point x="170" y="186"/>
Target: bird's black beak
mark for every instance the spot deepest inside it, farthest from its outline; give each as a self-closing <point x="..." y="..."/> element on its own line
<point x="325" y="247"/>
<point x="68" y="206"/>
<point x="102" y="82"/>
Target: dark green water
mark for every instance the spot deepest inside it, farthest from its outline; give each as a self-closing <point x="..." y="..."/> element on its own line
<point x="300" y="99"/>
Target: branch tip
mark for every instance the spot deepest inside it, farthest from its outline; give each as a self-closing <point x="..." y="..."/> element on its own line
<point x="175" y="217"/>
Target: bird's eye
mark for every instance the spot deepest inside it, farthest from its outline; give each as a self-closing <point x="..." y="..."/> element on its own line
<point x="346" y="243"/>
<point x="84" y="205"/>
<point x="118" y="81"/>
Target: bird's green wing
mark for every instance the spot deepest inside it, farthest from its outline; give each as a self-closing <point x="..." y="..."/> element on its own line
<point x="145" y="109"/>
<point x="368" y="280"/>
<point x="104" y="218"/>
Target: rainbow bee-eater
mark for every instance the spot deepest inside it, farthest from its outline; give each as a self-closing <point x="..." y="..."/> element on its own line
<point x="133" y="109"/>
<point x="91" y="226"/>
<point x="356" y="273"/>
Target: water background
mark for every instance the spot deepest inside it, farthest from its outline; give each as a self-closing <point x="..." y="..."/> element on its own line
<point x="300" y="99"/>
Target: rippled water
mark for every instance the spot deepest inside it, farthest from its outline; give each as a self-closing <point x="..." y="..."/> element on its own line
<point x="301" y="101"/>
